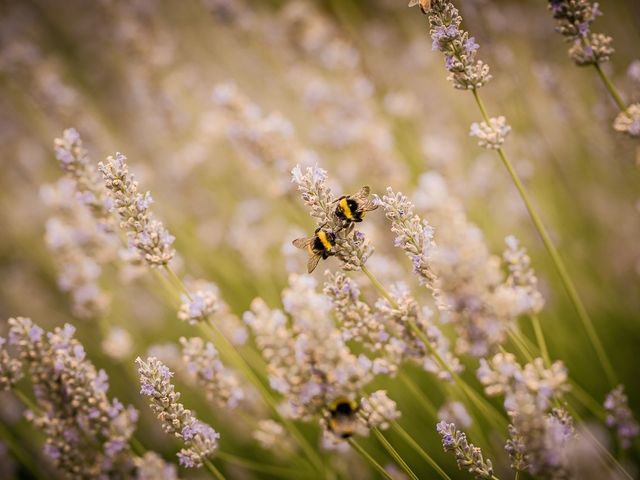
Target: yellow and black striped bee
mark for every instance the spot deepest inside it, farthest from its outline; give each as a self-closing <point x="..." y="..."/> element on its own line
<point x="425" y="5"/>
<point x="352" y="208"/>
<point x="321" y="245"/>
<point x="342" y="419"/>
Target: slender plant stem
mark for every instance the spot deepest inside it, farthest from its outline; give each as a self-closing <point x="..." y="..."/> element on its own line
<point x="420" y="396"/>
<point x="416" y="446"/>
<point x="611" y="88"/>
<point x="557" y="260"/>
<point x="394" y="453"/>
<point x="520" y="345"/>
<point x="363" y="453"/>
<point x="217" y="474"/>
<point x="542" y="344"/>
<point x="16" y="448"/>
<point x="281" y="472"/>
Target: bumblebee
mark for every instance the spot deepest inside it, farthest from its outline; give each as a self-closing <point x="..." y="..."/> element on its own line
<point x="342" y="419"/>
<point x="321" y="245"/>
<point x="352" y="208"/>
<point x="425" y="5"/>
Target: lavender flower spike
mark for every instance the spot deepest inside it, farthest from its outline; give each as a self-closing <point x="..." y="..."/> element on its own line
<point x="10" y="368"/>
<point x="459" y="49"/>
<point x="620" y="417"/>
<point x="146" y="234"/>
<point x="574" y="19"/>
<point x="200" y="440"/>
<point x="413" y="235"/>
<point x="468" y="456"/>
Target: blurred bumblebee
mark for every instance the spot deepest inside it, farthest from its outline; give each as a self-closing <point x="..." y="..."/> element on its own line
<point x="321" y="245"/>
<point x="342" y="419"/>
<point x="352" y="208"/>
<point x="425" y="5"/>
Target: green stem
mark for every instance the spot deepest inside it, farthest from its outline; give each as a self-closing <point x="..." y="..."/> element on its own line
<point x="363" y="453"/>
<point x="542" y="344"/>
<point x="611" y="88"/>
<point x="394" y="453"/>
<point x="137" y="447"/>
<point x="557" y="260"/>
<point x="520" y="345"/>
<point x="416" y="446"/>
<point x="379" y="287"/>
<point x="281" y="472"/>
<point x="213" y="470"/>
<point x="25" y="459"/>
<point x="420" y="396"/>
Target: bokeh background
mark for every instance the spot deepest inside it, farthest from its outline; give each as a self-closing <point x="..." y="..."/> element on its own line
<point x="357" y="84"/>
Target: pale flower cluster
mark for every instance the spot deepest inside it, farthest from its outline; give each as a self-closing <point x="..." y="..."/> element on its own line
<point x="539" y="435"/>
<point x="200" y="440"/>
<point x="472" y="292"/>
<point x="203" y="365"/>
<point x="491" y="135"/>
<point x="413" y="234"/>
<point x="86" y="433"/>
<point x="145" y="233"/>
<point x="628" y="121"/>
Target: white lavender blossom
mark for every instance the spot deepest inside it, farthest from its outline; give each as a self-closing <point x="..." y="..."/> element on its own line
<point x="267" y="141"/>
<point x="204" y="304"/>
<point x="468" y="456"/>
<point x="203" y="363"/>
<point x="458" y="47"/>
<point x="404" y="344"/>
<point x="538" y="434"/>
<point x="307" y="359"/>
<point x="472" y="293"/>
<point x="574" y="19"/>
<point x="521" y="281"/>
<point x="377" y="410"/>
<point x="503" y="375"/>
<point x="413" y="235"/>
<point x="118" y="344"/>
<point x="271" y="435"/>
<point x="620" y="417"/>
<point x="74" y="161"/>
<point x="10" y="368"/>
<point x="351" y="246"/>
<point x="80" y="244"/>
<point x="152" y="467"/>
<point x="491" y="135"/>
<point x="357" y="321"/>
<point x="455" y="412"/>
<point x="86" y="434"/>
<point x="628" y="121"/>
<point x="198" y="306"/>
<point x="146" y="234"/>
<point x="200" y="440"/>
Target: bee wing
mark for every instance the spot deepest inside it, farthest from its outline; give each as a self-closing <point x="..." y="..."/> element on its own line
<point x="413" y="3"/>
<point x="362" y="194"/>
<point x="302" y="243"/>
<point x="313" y="263"/>
<point x="365" y="202"/>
